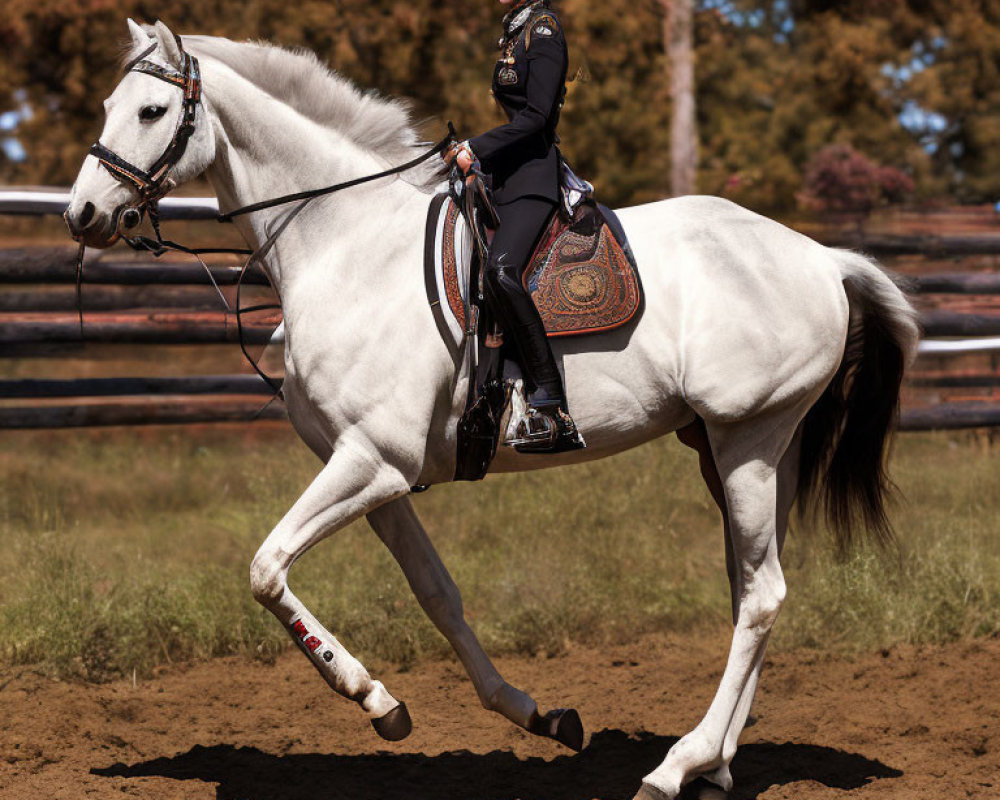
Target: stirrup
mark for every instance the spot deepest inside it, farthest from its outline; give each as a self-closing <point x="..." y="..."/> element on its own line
<point x="546" y="430"/>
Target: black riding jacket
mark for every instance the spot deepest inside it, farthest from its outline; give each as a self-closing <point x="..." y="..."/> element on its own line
<point x="529" y="83"/>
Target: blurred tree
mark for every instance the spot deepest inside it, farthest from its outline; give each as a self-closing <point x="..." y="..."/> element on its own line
<point x="678" y="37"/>
<point x="960" y="80"/>
<point x="616" y="125"/>
<point x="776" y="81"/>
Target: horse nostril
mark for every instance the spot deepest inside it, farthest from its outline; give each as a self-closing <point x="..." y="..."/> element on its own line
<point x="87" y="215"/>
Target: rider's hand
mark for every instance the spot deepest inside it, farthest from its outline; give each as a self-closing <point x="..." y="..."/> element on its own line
<point x="464" y="159"/>
<point x="461" y="154"/>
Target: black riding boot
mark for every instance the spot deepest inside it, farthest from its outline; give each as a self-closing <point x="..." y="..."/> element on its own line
<point x="555" y="430"/>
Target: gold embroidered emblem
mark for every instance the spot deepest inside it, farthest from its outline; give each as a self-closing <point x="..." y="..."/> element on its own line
<point x="507" y="77"/>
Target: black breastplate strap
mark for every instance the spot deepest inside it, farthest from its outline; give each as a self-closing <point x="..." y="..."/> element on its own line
<point x="152" y="183"/>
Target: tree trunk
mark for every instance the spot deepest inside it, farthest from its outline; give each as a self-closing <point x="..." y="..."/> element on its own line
<point x="678" y="39"/>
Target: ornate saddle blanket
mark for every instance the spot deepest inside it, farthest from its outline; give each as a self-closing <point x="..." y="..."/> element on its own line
<point x="582" y="275"/>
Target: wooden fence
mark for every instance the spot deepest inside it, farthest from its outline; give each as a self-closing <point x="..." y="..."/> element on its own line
<point x="143" y="301"/>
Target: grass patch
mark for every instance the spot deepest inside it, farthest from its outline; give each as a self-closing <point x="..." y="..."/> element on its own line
<point x="129" y="549"/>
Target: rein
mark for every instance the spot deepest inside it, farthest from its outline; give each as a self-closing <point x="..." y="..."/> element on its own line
<point x="152" y="184"/>
<point x="311" y="193"/>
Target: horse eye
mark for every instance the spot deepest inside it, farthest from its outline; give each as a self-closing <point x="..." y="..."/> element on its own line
<point x="152" y="112"/>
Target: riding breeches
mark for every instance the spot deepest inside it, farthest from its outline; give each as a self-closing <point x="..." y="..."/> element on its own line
<point x="521" y="225"/>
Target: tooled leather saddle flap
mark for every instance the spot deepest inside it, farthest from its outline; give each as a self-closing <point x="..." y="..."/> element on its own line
<point x="582" y="276"/>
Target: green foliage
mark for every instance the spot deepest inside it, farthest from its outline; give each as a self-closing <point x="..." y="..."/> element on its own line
<point x="776" y="83"/>
<point x="128" y="550"/>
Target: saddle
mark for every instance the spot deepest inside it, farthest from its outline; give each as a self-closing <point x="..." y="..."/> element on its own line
<point x="582" y="275"/>
<point x="582" y="278"/>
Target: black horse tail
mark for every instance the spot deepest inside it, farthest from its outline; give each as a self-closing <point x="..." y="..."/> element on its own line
<point x="846" y="434"/>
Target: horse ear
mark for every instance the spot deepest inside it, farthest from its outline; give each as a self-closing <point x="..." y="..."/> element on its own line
<point x="140" y="38"/>
<point x="168" y="45"/>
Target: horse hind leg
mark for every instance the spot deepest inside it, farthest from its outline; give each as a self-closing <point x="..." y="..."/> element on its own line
<point x="788" y="477"/>
<point x="695" y="436"/>
<point x="747" y="455"/>
<point x="399" y="528"/>
<point x="350" y="485"/>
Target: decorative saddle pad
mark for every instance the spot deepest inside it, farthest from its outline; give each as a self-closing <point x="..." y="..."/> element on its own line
<point x="582" y="275"/>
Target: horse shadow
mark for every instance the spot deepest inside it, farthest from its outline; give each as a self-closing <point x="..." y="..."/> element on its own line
<point x="610" y="768"/>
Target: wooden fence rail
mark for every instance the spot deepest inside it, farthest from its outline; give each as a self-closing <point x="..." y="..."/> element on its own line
<point x="957" y="381"/>
<point x="957" y="323"/>
<point x="19" y="200"/>
<point x="121" y="387"/>
<point x="109" y="298"/>
<point x="148" y="412"/>
<point x="950" y="416"/>
<point x="34" y="202"/>
<point x="58" y="265"/>
<point x="901" y="245"/>
<point x="143" y="300"/>
<point x="163" y="412"/>
<point x="168" y="327"/>
<point x="957" y="283"/>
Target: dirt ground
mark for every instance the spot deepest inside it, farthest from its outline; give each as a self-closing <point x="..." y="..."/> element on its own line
<point x="905" y="723"/>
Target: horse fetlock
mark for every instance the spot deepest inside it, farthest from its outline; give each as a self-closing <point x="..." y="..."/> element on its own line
<point x="693" y="755"/>
<point x="377" y="702"/>
<point x="650" y="791"/>
<point x="721" y="777"/>
<point x="514" y="704"/>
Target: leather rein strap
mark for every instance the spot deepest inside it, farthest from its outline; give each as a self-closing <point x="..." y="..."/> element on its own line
<point x="440" y="147"/>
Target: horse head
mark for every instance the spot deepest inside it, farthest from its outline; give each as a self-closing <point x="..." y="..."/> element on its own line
<point x="154" y="138"/>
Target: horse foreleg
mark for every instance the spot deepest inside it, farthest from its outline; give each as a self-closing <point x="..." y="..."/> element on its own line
<point x="747" y="463"/>
<point x="398" y="526"/>
<point x="351" y="484"/>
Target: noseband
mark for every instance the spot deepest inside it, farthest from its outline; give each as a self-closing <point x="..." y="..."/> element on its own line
<point x="153" y="183"/>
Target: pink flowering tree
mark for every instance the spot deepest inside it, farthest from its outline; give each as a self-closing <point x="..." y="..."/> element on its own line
<point x="839" y="178"/>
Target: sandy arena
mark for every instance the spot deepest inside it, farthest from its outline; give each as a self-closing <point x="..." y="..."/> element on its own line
<point x="906" y="723"/>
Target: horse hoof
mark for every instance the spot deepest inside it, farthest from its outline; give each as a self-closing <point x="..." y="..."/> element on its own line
<point x="563" y="725"/>
<point x="647" y="792"/>
<point x="395" y="725"/>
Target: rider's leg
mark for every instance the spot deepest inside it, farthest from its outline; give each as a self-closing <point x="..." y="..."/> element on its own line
<point x="521" y="224"/>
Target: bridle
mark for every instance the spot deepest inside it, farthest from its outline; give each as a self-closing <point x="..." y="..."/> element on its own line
<point x="153" y="183"/>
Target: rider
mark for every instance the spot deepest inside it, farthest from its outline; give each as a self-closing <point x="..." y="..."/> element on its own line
<point x="529" y="83"/>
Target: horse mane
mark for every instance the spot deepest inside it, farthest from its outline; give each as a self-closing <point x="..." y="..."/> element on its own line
<point x="296" y="77"/>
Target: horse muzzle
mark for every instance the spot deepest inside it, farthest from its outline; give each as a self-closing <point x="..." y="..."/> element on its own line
<point x="101" y="231"/>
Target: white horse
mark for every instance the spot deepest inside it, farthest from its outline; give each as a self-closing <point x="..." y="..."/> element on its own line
<point x="777" y="358"/>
